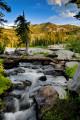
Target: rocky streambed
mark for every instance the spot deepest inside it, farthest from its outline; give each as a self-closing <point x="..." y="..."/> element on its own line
<point x="34" y="85"/>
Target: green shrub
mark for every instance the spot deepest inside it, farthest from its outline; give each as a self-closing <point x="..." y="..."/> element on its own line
<point x="4" y="82"/>
<point x="71" y="70"/>
<point x="2" y="48"/>
<point x="64" y="109"/>
<point x="73" y="44"/>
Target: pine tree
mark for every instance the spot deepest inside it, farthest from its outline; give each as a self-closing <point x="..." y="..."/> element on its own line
<point x="3" y="6"/>
<point x="23" y="31"/>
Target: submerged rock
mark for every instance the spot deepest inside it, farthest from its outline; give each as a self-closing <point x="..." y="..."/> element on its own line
<point x="19" y="86"/>
<point x="27" y="83"/>
<point x="43" y="78"/>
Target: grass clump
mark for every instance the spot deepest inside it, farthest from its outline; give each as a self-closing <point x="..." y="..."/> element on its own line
<point x="35" y="53"/>
<point x="71" y="70"/>
<point x="64" y="109"/>
<point x="44" y="53"/>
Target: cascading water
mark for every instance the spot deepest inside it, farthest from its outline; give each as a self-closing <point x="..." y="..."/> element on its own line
<point x="23" y="101"/>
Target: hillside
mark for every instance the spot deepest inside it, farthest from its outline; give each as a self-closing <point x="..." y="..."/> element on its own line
<point x="50" y="27"/>
<point x="41" y="34"/>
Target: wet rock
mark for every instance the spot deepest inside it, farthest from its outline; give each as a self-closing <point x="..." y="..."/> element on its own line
<point x="15" y="95"/>
<point x="24" y="106"/>
<point x="45" y="62"/>
<point x="20" y="70"/>
<point x="43" y="78"/>
<point x="27" y="83"/>
<point x="36" y="66"/>
<point x="1" y="116"/>
<point x="46" y="98"/>
<point x="24" y="101"/>
<point x="26" y="65"/>
<point x="48" y="67"/>
<point x="11" y="73"/>
<point x="19" y="52"/>
<point x="7" y="53"/>
<point x="52" y="55"/>
<point x="10" y="63"/>
<point x="53" y="64"/>
<point x="37" y="63"/>
<point x="70" y="64"/>
<point x="15" y="72"/>
<point x="50" y="72"/>
<point x="19" y="86"/>
<point x="74" y="84"/>
<point x="9" y="101"/>
<point x="39" y="71"/>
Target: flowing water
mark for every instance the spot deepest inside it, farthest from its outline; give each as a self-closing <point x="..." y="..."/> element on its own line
<point x="26" y="79"/>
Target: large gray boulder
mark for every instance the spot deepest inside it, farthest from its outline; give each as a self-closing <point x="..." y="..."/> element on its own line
<point x="74" y="84"/>
<point x="45" y="99"/>
<point x="71" y="64"/>
<point x="64" y="54"/>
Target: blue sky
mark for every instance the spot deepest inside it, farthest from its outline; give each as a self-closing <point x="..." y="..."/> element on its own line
<point x="41" y="11"/>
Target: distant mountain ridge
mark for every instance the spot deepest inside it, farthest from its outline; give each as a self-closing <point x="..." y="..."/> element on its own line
<point x="51" y="27"/>
<point x="48" y="32"/>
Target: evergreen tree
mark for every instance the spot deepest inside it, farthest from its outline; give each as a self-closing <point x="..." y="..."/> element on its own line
<point x="3" y="6"/>
<point x="23" y="31"/>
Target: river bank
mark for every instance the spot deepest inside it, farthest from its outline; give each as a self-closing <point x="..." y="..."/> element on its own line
<point x="32" y="78"/>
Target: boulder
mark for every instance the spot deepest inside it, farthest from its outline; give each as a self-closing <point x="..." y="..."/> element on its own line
<point x="43" y="78"/>
<point x="27" y="83"/>
<point x="7" y="53"/>
<point x="45" y="99"/>
<point x="71" y="64"/>
<point x="64" y="54"/>
<point x="74" y="84"/>
<point x="19" y="86"/>
<point x="19" y="70"/>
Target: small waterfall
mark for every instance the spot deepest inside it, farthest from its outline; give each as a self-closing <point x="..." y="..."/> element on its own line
<point x="9" y="116"/>
<point x="16" y="104"/>
<point x="25" y="105"/>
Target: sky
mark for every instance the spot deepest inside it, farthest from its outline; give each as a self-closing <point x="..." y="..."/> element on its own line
<point x="42" y="11"/>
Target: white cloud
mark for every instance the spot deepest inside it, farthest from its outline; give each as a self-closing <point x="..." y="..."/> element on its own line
<point x="52" y="17"/>
<point x="59" y="2"/>
<point x="67" y="14"/>
<point x="8" y="25"/>
<point x="63" y="15"/>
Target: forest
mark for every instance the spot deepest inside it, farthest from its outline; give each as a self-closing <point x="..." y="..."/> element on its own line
<point x="41" y="35"/>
